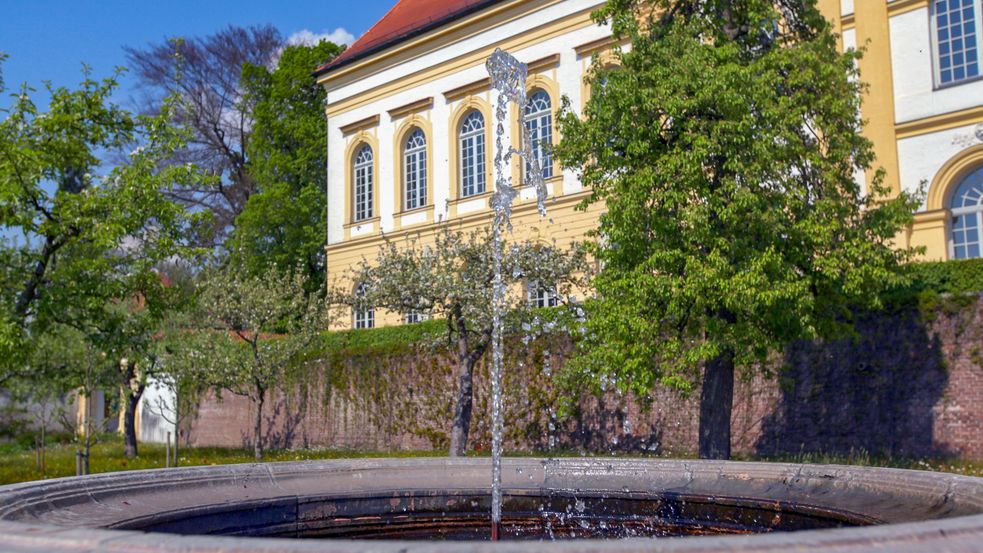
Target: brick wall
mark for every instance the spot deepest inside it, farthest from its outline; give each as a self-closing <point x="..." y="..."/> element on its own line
<point x="909" y="384"/>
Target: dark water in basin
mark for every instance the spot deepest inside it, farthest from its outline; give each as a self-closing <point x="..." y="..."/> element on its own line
<point x="442" y="515"/>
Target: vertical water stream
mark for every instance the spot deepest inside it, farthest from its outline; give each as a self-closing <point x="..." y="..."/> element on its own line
<point x="508" y="78"/>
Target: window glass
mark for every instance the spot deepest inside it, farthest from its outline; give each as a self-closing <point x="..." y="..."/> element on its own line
<point x="542" y="296"/>
<point x="957" y="30"/>
<point x="414" y="317"/>
<point x="362" y="170"/>
<point x="539" y="127"/>
<point x="415" y="170"/>
<point x="967" y="217"/>
<point x="364" y="317"/>
<point x="472" y="150"/>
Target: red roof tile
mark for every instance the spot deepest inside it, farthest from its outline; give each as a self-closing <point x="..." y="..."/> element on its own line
<point x="404" y="20"/>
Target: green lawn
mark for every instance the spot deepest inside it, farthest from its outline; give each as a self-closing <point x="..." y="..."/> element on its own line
<point x="940" y="464"/>
<point x="17" y="462"/>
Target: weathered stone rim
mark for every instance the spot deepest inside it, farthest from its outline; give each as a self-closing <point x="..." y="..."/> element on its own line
<point x="924" y="511"/>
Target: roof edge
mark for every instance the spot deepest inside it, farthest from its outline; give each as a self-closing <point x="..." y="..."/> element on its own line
<point x="334" y="65"/>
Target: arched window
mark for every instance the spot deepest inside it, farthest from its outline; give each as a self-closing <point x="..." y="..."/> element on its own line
<point x="967" y="217"/>
<point x="363" y="316"/>
<point x="472" y="151"/>
<point x="415" y="171"/>
<point x="364" y="182"/>
<point x="539" y="126"/>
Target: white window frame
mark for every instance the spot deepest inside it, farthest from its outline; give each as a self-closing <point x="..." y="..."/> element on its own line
<point x="415" y="170"/>
<point x="363" y="183"/>
<point x="414" y="317"/>
<point x="471" y="139"/>
<point x="362" y="318"/>
<point x="534" y="122"/>
<point x="968" y="211"/>
<point x="934" y="40"/>
<point x="542" y="297"/>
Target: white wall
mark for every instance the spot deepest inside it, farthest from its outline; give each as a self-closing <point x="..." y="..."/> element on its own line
<point x="846" y="7"/>
<point x="921" y="157"/>
<point x="157" y="399"/>
<point x="912" y="65"/>
<point x="569" y="76"/>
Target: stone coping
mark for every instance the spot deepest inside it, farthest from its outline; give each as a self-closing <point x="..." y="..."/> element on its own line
<point x="921" y="511"/>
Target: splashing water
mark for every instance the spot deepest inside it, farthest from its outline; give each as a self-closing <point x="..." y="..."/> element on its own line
<point x="508" y="77"/>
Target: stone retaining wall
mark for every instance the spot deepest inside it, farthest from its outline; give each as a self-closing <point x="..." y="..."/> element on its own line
<point x="910" y="384"/>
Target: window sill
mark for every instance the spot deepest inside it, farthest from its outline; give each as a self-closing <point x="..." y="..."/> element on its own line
<point x="362" y="222"/>
<point x="459" y="199"/>
<point x="938" y="87"/>
<point x="414" y="210"/>
<point x="548" y="180"/>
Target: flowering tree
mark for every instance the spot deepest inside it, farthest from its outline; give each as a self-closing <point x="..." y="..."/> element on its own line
<point x="247" y="332"/>
<point x="453" y="279"/>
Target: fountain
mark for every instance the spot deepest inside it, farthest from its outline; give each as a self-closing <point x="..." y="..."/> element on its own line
<point x="508" y="78"/>
<point x="406" y="505"/>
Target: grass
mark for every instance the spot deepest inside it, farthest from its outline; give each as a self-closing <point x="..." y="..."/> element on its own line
<point x="17" y="461"/>
<point x="864" y="458"/>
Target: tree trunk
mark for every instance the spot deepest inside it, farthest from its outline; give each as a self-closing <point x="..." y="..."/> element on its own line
<point x="132" y="390"/>
<point x="716" y="403"/>
<point x="465" y="402"/>
<point x="177" y="427"/>
<point x="130" y="402"/>
<point x="85" y="456"/>
<point x="258" y="444"/>
<point x="30" y="291"/>
<point x="44" y="470"/>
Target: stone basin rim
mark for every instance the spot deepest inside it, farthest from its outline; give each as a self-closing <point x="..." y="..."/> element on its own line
<point x="924" y="511"/>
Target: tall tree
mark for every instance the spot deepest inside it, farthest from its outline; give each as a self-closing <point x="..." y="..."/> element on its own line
<point x="284" y="223"/>
<point x="453" y="279"/>
<point x="88" y="236"/>
<point x="205" y="73"/>
<point x="725" y="147"/>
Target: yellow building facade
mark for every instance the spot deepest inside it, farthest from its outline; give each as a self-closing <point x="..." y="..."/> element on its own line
<point x="410" y="122"/>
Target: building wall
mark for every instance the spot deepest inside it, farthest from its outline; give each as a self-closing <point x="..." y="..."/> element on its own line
<point x="432" y="76"/>
<point x="155" y="413"/>
<point x="922" y="133"/>
<point x="918" y="127"/>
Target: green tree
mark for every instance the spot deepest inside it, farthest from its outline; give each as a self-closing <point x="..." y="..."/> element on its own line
<point x="453" y="279"/>
<point x="127" y="328"/>
<point x="65" y="365"/>
<point x="85" y="237"/>
<point x="725" y="148"/>
<point x="248" y="332"/>
<point x="283" y="224"/>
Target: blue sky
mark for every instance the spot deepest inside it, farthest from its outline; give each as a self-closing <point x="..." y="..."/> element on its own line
<point x="51" y="39"/>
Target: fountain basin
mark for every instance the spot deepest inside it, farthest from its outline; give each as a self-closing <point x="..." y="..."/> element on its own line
<point x="402" y="505"/>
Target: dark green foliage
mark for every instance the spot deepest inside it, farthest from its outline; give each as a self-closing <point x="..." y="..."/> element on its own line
<point x="946" y="277"/>
<point x="937" y="285"/>
<point x="83" y="238"/>
<point x="283" y="223"/>
<point x="379" y="341"/>
<point x="725" y="148"/>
